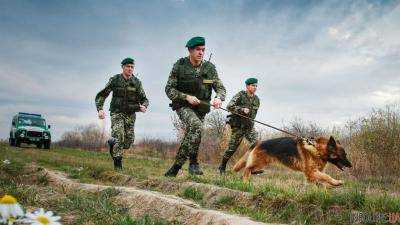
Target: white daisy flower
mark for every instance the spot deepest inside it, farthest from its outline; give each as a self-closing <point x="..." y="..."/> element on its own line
<point x="6" y="162"/>
<point x="9" y="207"/>
<point x="40" y="217"/>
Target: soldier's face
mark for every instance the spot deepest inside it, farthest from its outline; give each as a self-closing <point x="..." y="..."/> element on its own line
<point x="197" y="53"/>
<point x="252" y="88"/>
<point x="127" y="69"/>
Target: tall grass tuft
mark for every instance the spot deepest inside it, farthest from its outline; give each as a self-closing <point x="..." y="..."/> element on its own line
<point x="374" y="143"/>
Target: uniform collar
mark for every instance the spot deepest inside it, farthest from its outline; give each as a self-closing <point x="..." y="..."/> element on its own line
<point x="195" y="67"/>
<point x="129" y="78"/>
<point x="248" y="95"/>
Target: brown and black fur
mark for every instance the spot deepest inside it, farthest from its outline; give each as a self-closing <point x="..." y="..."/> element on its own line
<point x="293" y="153"/>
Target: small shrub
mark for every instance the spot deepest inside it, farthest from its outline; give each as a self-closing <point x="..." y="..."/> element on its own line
<point x="193" y="193"/>
<point x="89" y="137"/>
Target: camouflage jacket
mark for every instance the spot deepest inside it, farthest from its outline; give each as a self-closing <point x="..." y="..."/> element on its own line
<point x="239" y="101"/>
<point x="185" y="79"/>
<point x="127" y="95"/>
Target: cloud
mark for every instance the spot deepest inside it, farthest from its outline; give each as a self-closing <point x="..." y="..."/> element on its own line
<point x="336" y="34"/>
<point x="387" y="96"/>
<point x="326" y="62"/>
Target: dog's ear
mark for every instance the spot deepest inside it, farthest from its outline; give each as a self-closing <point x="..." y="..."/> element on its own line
<point x="332" y="148"/>
<point x="332" y="142"/>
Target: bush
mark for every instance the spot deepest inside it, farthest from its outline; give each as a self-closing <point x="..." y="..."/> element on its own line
<point x="374" y="143"/>
<point x="88" y="137"/>
<point x="155" y="147"/>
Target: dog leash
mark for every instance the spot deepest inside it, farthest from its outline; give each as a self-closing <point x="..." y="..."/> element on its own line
<point x="262" y="123"/>
<point x="256" y="121"/>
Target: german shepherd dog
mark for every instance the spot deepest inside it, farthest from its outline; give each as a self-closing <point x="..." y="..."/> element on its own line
<point x="298" y="154"/>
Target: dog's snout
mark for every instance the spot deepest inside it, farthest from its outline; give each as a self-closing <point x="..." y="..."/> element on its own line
<point x="348" y="164"/>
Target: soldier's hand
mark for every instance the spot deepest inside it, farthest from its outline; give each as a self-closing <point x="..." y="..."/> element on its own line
<point x="245" y="110"/>
<point x="192" y="100"/>
<point x="216" y="103"/>
<point x="143" y="108"/>
<point x="101" y="114"/>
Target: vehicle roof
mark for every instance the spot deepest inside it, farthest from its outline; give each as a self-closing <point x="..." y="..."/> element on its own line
<point x="29" y="114"/>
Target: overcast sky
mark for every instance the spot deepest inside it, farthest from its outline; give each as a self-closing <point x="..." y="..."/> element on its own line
<point x="321" y="61"/>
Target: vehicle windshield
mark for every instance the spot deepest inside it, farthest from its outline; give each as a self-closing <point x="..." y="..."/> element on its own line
<point x="31" y="121"/>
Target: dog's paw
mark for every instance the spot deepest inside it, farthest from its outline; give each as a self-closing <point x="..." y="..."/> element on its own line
<point x="338" y="183"/>
<point x="257" y="172"/>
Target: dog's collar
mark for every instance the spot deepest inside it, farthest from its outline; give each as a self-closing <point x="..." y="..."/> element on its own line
<point x="310" y="141"/>
<point x="310" y="145"/>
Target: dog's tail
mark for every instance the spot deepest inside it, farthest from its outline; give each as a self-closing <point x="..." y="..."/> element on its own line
<point x="242" y="162"/>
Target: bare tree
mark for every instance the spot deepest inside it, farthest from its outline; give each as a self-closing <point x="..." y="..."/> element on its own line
<point x="301" y="128"/>
<point x="215" y="123"/>
<point x="89" y="137"/>
<point x="179" y="127"/>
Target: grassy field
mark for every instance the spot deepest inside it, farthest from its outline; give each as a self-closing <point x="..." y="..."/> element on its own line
<point x="74" y="207"/>
<point x="278" y="195"/>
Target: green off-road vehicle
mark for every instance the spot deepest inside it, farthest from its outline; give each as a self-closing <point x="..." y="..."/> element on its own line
<point x="30" y="129"/>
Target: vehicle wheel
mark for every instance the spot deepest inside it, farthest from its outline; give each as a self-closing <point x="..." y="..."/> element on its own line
<point x="11" y="141"/>
<point x="17" y="143"/>
<point x="39" y="145"/>
<point x="47" y="145"/>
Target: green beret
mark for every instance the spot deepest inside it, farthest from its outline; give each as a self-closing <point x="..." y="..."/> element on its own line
<point x="195" y="41"/>
<point x="251" y="81"/>
<point x="128" y="61"/>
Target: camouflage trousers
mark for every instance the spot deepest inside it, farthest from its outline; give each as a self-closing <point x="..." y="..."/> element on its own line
<point x="189" y="147"/>
<point x="237" y="136"/>
<point x="122" y="129"/>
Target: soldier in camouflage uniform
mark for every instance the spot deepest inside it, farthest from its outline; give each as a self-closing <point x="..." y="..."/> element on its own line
<point x="189" y="86"/>
<point x="128" y="98"/>
<point x="245" y="103"/>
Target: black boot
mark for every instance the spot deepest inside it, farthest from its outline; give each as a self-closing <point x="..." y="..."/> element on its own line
<point x="111" y="143"/>
<point x="117" y="163"/>
<point x="173" y="171"/>
<point x="194" y="169"/>
<point x="222" y="166"/>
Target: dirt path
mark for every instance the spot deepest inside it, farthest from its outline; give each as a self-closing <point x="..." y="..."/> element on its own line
<point x="211" y="192"/>
<point x="158" y="205"/>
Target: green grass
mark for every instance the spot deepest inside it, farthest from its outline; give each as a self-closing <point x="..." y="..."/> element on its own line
<point x="193" y="193"/>
<point x="224" y="201"/>
<point x="234" y="183"/>
<point x="278" y="196"/>
<point x="83" y="207"/>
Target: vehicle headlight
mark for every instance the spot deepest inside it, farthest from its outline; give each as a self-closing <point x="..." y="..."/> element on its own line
<point x="22" y="134"/>
<point x="46" y="135"/>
